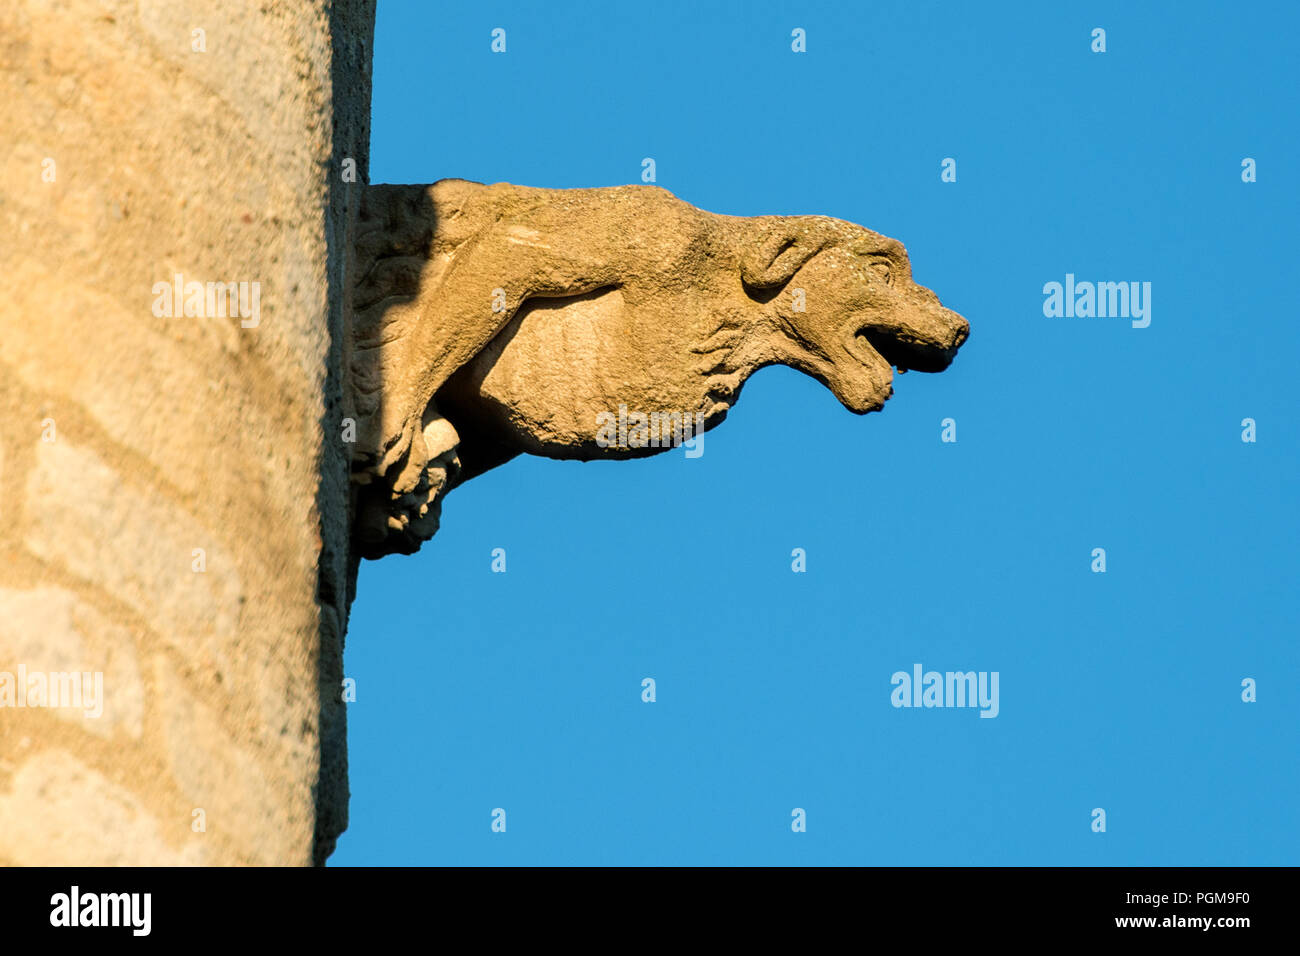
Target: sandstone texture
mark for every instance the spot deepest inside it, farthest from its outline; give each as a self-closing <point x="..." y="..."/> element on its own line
<point x="174" y="488"/>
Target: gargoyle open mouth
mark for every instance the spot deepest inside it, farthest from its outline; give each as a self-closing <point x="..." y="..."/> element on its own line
<point x="905" y="352"/>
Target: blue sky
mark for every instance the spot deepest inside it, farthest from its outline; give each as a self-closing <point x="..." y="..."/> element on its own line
<point x="1119" y="690"/>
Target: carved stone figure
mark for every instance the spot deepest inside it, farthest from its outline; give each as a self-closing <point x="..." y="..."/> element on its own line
<point x="494" y="320"/>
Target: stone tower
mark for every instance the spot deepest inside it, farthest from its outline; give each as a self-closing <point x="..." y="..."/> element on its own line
<point x="173" y="485"/>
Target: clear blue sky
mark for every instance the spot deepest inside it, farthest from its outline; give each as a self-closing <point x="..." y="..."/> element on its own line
<point x="1119" y="690"/>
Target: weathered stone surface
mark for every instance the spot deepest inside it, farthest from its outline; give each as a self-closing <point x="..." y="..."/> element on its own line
<point x="49" y="630"/>
<point x="58" y="811"/>
<point x="529" y="316"/>
<point x="142" y="139"/>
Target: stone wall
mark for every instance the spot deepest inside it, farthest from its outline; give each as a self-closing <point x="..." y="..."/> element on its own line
<point x="173" y="487"/>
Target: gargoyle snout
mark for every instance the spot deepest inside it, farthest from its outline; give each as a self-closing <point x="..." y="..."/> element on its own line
<point x="925" y="339"/>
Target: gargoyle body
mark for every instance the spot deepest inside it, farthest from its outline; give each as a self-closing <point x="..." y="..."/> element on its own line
<point x="494" y="320"/>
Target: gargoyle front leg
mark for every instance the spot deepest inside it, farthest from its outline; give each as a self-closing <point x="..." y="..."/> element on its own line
<point x="424" y="312"/>
<point x="445" y="326"/>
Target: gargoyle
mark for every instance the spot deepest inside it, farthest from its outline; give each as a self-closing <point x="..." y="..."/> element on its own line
<point x="495" y="320"/>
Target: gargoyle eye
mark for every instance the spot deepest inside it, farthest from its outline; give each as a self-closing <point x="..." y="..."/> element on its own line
<point x="881" y="268"/>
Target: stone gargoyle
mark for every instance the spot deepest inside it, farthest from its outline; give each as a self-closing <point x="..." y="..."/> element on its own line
<point x="495" y="320"/>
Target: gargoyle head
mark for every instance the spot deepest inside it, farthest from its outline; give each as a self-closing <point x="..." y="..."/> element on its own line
<point x="843" y="300"/>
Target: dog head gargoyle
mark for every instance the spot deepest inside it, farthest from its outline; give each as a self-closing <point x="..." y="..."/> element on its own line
<point x="494" y="320"/>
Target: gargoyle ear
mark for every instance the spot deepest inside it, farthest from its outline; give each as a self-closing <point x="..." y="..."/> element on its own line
<point x="780" y="250"/>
